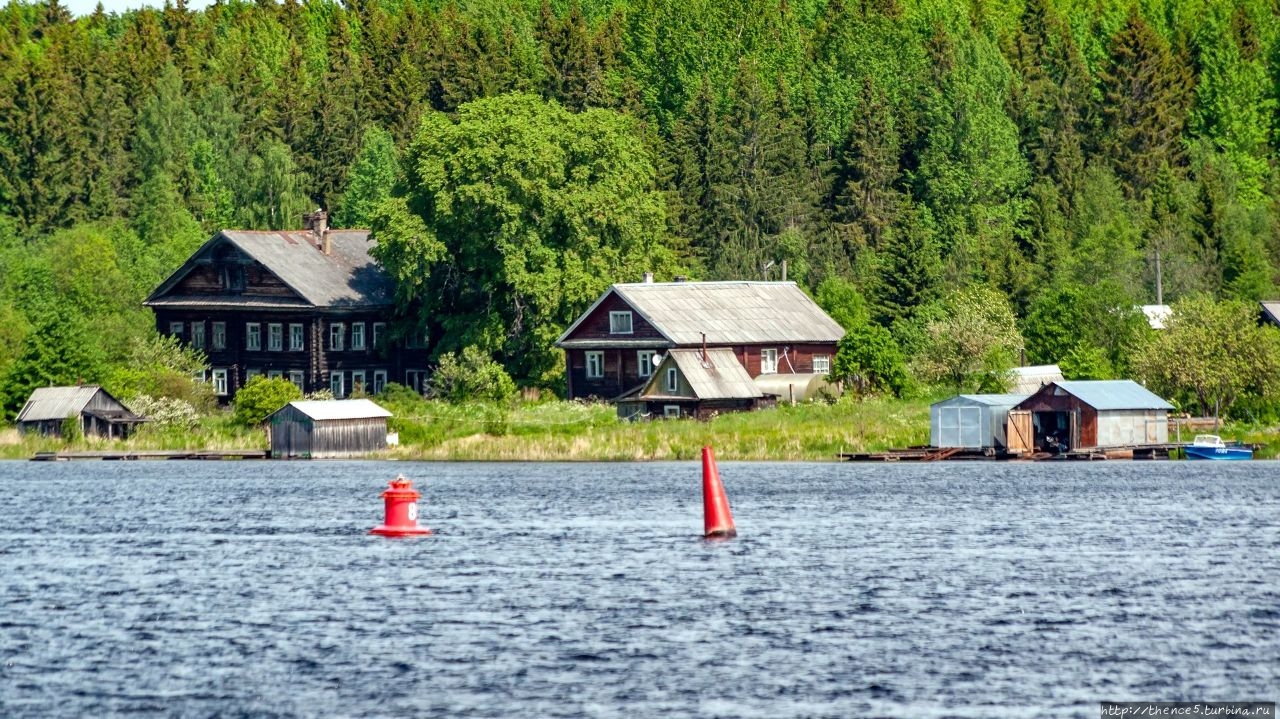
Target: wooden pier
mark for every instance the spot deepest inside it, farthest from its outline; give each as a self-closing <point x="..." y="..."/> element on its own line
<point x="206" y="454"/>
<point x="1170" y="450"/>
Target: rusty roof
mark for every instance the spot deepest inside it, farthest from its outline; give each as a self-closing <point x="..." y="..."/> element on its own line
<point x="347" y="277"/>
<point x="48" y="403"/>
<point x="734" y="312"/>
<point x="718" y="376"/>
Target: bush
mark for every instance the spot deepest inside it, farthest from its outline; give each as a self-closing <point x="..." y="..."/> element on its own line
<point x="471" y="376"/>
<point x="165" y="412"/>
<point x="262" y="396"/>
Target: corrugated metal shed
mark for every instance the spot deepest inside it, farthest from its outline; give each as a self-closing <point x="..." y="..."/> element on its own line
<point x="340" y="409"/>
<point x="728" y="312"/>
<point x="47" y="403"/>
<point x="1026" y="380"/>
<point x="347" y="277"/>
<point x="974" y="421"/>
<point x="1114" y="394"/>
<point x="720" y="376"/>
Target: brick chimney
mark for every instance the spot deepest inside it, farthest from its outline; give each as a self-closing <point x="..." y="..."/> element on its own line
<point x="318" y="223"/>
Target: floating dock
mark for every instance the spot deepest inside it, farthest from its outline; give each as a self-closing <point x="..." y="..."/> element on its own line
<point x="1170" y="450"/>
<point x="153" y="454"/>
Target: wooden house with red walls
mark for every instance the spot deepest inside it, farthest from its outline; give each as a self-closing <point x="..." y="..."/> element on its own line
<point x="310" y="306"/>
<point x="769" y="327"/>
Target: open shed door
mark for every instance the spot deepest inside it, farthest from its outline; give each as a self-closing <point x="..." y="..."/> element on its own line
<point x="1018" y="432"/>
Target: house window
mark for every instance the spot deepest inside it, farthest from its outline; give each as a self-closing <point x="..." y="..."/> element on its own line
<point x="379" y="329"/>
<point x="768" y="361"/>
<point x="644" y="359"/>
<point x="220" y="382"/>
<point x="595" y="365"/>
<point x="175" y="329"/>
<point x="197" y="335"/>
<point x="336" y="331"/>
<point x="619" y="323"/>
<point x="822" y="364"/>
<point x="671" y="410"/>
<point x="357" y="335"/>
<point x="379" y="380"/>
<point x="336" y="386"/>
<point x="250" y="374"/>
<point x="253" y="336"/>
<point x="219" y="335"/>
<point x="275" y="374"/>
<point x="275" y="337"/>
<point x="357" y="381"/>
<point x="416" y="380"/>
<point x="296" y="377"/>
<point x="233" y="278"/>
<point x="673" y="380"/>
<point x="295" y="338"/>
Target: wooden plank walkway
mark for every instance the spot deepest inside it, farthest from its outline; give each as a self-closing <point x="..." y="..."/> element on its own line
<point x="938" y="454"/>
<point x="65" y="456"/>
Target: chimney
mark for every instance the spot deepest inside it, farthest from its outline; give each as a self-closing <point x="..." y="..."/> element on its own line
<point x="648" y="278"/>
<point x="704" y="349"/>
<point x="784" y="270"/>
<point x="680" y="278"/>
<point x="318" y="223"/>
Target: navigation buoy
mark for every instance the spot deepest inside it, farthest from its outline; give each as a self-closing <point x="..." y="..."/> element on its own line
<point x="715" y="505"/>
<point x="402" y="511"/>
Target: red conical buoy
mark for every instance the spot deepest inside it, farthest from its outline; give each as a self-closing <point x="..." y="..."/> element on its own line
<point x="402" y="511"/>
<point x="715" y="505"/>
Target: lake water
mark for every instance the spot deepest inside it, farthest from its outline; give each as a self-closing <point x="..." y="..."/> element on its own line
<point x="584" y="590"/>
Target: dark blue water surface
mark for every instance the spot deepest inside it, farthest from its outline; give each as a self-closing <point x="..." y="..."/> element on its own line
<point x="584" y="590"/>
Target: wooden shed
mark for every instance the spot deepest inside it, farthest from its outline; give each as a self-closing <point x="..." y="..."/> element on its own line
<point x="312" y="429"/>
<point x="695" y="383"/>
<point x="971" y="421"/>
<point x="98" y="413"/>
<point x="1093" y="413"/>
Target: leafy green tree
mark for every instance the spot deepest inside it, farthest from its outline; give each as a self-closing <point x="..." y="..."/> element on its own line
<point x="272" y="195"/>
<point x="162" y="367"/>
<point x="471" y="375"/>
<point x="262" y="396"/>
<point x="841" y="299"/>
<point x="974" y="344"/>
<point x="871" y="362"/>
<point x="372" y="177"/>
<point x="1089" y="331"/>
<point x="516" y="216"/>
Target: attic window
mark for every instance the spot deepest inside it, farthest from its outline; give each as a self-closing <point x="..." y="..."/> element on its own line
<point x="619" y="323"/>
<point x="673" y="380"/>
<point x="233" y="278"/>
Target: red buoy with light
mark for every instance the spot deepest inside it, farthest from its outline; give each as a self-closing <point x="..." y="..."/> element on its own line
<point x="715" y="505"/>
<point x="402" y="511"/>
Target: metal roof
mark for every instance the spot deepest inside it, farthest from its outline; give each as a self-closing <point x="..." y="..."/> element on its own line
<point x="48" y="403"/>
<point x="989" y="400"/>
<point x="1027" y="380"/>
<point x="338" y="409"/>
<point x="1271" y="311"/>
<point x="720" y="376"/>
<point x="347" y="277"/>
<point x="1113" y="394"/>
<point x="736" y="312"/>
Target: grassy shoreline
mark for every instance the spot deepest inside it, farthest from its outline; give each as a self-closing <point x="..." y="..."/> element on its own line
<point x="573" y="431"/>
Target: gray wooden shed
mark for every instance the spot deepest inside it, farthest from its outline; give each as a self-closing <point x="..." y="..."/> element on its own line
<point x="97" y="412"/>
<point x="971" y="421"/>
<point x="315" y="429"/>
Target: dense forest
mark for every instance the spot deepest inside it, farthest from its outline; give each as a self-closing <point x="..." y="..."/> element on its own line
<point x="1033" y="170"/>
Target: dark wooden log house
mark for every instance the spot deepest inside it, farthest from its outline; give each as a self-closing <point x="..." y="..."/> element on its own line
<point x="769" y="327"/>
<point x="309" y="305"/>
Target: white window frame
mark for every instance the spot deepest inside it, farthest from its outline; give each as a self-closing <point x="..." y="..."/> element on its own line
<point x="769" y="361"/>
<point x="416" y="379"/>
<point x="595" y="364"/>
<point x="253" y="337"/>
<point x="379" y="329"/>
<point x="357" y="381"/>
<point x="298" y="378"/>
<point x="379" y="381"/>
<point x="197" y="335"/>
<point x="336" y="385"/>
<point x="275" y="337"/>
<point x="673" y="380"/>
<point x="250" y="374"/>
<point x="357" y="336"/>
<point x="620" y="323"/>
<point x="219" y="339"/>
<point x="644" y="362"/>
<point x="822" y="364"/>
<point x="175" y="329"/>
<point x="297" y="338"/>
<point x="671" y="411"/>
<point x="220" y="382"/>
<point x="275" y="374"/>
<point x="337" y="333"/>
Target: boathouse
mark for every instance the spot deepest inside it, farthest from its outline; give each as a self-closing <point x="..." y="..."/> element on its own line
<point x="327" y="429"/>
<point x="92" y="407"/>
<point x="695" y="383"/>
<point x="1086" y="414"/>
<point x="971" y="421"/>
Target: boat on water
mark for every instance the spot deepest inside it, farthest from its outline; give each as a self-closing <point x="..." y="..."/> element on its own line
<point x="1211" y="446"/>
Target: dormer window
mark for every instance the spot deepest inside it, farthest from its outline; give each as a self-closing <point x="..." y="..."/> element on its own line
<point x="619" y="323"/>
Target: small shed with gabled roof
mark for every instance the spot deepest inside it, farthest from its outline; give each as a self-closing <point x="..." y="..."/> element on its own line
<point x="1096" y="413"/>
<point x="98" y="413"/>
<point x="328" y="429"/>
<point x="695" y="383"/>
<point x="971" y="421"/>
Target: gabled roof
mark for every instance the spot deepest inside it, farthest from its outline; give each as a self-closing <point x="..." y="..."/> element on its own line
<point x="48" y="403"/>
<point x="1027" y="380"/>
<point x="728" y="312"/>
<point x="719" y="376"/>
<point x="337" y="409"/>
<point x="1113" y="394"/>
<point x="347" y="277"/>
